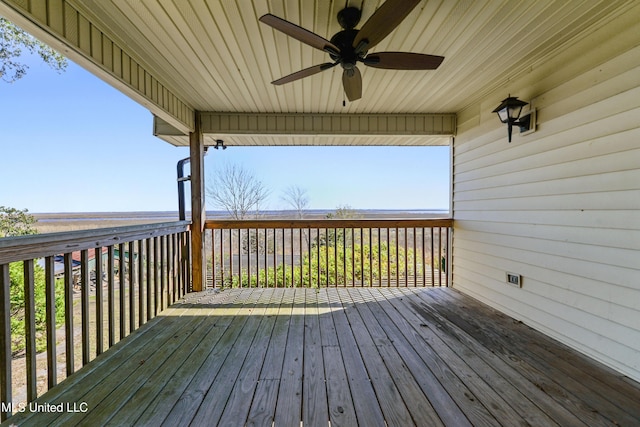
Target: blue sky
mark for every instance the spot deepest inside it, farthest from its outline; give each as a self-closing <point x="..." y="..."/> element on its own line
<point x="71" y="143"/>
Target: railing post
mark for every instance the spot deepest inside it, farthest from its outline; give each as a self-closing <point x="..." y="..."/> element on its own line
<point x="198" y="266"/>
<point x="5" y="343"/>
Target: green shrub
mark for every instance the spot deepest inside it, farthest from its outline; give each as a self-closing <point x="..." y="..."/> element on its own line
<point x="16" y="275"/>
<point x="320" y="268"/>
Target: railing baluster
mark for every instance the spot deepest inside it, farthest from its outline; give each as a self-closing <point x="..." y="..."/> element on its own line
<point x="68" y="313"/>
<point x="239" y="258"/>
<point x="111" y="294"/>
<point x="309" y="252"/>
<point x="424" y="263"/>
<point x="99" y="300"/>
<point x="213" y="258"/>
<point x="187" y="263"/>
<point x="231" y="256"/>
<point x="275" y="251"/>
<point x="293" y="278"/>
<point x="142" y="281"/>
<point x="433" y="279"/>
<point x="397" y="259"/>
<point x="258" y="246"/>
<point x="353" y="258"/>
<point x="240" y="267"/>
<point x="156" y="276"/>
<point x="406" y="259"/>
<point x="249" y="249"/>
<point x="415" y="259"/>
<point x="179" y="270"/>
<point x="132" y="289"/>
<point x="164" y="271"/>
<point x="284" y="262"/>
<point x="30" y="330"/>
<point x="318" y="257"/>
<point x="177" y="253"/>
<point x="335" y="255"/>
<point x="122" y="260"/>
<point x="301" y="257"/>
<point x="388" y="258"/>
<point x="361" y="257"/>
<point x="370" y="257"/>
<point x="379" y="259"/>
<point x="84" y="304"/>
<point x="172" y="266"/>
<point x="447" y="257"/>
<point x="439" y="256"/>
<point x="326" y="256"/>
<point x="266" y="256"/>
<point x="222" y="255"/>
<point x="148" y="281"/>
<point x="50" y="291"/>
<point x="344" y="257"/>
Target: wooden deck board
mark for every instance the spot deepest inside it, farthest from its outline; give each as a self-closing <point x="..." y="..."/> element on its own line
<point x="263" y="406"/>
<point x="315" y="409"/>
<point x="418" y="405"/>
<point x="432" y="389"/>
<point x="519" y="409"/>
<point x="242" y="393"/>
<point x="545" y="351"/>
<point x="368" y="356"/>
<point x="516" y="345"/>
<point x="389" y="397"/>
<point x="289" y="403"/>
<point x="155" y="412"/>
<point x="340" y="403"/>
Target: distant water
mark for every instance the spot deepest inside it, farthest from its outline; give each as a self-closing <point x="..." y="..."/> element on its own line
<point x="162" y="216"/>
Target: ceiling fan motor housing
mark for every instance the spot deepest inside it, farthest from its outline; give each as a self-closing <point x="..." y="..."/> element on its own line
<point x="349" y="17"/>
<point x="344" y="41"/>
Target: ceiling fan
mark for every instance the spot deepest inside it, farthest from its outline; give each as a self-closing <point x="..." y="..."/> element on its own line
<point x="350" y="46"/>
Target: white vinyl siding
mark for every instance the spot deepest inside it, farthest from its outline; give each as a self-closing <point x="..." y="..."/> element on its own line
<point x="560" y="206"/>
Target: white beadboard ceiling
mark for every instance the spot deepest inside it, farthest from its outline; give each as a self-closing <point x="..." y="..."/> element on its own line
<point x="217" y="57"/>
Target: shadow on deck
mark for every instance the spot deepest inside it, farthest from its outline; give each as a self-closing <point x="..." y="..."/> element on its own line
<point x="351" y="356"/>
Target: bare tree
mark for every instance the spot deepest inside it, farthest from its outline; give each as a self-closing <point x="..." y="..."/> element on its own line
<point x="236" y="190"/>
<point x="297" y="198"/>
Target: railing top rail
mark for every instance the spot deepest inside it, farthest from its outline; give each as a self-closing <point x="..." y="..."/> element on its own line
<point x="40" y="245"/>
<point x="329" y="223"/>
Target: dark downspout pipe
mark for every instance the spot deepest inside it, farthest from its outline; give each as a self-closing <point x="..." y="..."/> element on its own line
<point x="181" y="179"/>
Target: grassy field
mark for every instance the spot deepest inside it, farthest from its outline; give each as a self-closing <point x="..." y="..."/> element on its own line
<point x="62" y="222"/>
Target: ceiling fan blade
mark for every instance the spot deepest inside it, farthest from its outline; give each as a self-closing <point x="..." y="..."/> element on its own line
<point x="304" y="73"/>
<point x="403" y="61"/>
<point x="352" y="83"/>
<point x="299" y="33"/>
<point x="384" y="20"/>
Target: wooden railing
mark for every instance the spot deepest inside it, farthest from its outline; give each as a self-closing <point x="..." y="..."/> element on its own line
<point x="141" y="269"/>
<point x="332" y="252"/>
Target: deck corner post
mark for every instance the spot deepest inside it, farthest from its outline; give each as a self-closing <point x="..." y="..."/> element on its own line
<point x="5" y="343"/>
<point x="198" y="212"/>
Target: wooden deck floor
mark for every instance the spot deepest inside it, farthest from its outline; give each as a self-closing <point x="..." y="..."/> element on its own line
<point x="350" y="357"/>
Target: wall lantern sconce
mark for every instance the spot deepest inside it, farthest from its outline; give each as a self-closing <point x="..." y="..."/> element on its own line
<point x="509" y="112"/>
